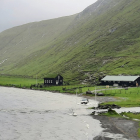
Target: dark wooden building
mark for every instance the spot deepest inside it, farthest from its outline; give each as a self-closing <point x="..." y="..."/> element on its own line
<point x="123" y="81"/>
<point x="53" y="80"/>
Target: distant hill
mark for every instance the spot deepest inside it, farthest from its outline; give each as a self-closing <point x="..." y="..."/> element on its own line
<point x="101" y="40"/>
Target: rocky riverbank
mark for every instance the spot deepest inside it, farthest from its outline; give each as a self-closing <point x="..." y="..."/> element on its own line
<point x="116" y="128"/>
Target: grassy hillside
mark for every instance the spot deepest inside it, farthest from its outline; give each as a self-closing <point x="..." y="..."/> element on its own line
<point x="24" y="41"/>
<point x="102" y="39"/>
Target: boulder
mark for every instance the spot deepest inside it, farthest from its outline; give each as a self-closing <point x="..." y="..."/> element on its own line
<point x="89" y="92"/>
<point x="112" y="112"/>
<point x="100" y="94"/>
<point x="107" y="106"/>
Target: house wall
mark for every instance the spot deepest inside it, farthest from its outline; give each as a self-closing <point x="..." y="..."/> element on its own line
<point x="49" y="81"/>
<point x="138" y="81"/>
<point x="128" y="84"/>
<point x="59" y="79"/>
<point x="121" y="83"/>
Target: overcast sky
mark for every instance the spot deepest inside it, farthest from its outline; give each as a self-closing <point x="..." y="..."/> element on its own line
<point x="18" y="12"/>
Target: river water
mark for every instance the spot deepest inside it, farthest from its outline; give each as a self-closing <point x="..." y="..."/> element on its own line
<point x="40" y="115"/>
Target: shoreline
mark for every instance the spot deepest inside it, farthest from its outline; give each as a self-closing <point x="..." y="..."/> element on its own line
<point x="116" y="128"/>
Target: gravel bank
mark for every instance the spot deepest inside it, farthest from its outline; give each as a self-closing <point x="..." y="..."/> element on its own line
<point x="116" y="128"/>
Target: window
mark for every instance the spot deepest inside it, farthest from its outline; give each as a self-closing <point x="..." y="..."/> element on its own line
<point x="56" y="82"/>
<point x="51" y="81"/>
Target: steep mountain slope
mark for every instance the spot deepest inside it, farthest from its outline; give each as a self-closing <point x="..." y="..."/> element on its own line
<point x="102" y="39"/>
<point x="19" y="42"/>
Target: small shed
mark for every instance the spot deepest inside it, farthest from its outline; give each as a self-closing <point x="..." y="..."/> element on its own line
<point x="53" y="80"/>
<point x="123" y="81"/>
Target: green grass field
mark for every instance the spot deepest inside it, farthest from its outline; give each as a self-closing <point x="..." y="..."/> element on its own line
<point x="27" y="82"/>
<point x="126" y="98"/>
<point x="18" y="82"/>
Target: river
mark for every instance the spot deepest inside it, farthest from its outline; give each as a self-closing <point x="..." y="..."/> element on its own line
<point x="41" y="115"/>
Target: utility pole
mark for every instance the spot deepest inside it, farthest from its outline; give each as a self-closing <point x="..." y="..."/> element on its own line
<point x="36" y="80"/>
<point x="95" y="101"/>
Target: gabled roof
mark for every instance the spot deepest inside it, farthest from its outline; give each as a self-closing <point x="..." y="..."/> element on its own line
<point x="52" y="76"/>
<point x="120" y="78"/>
